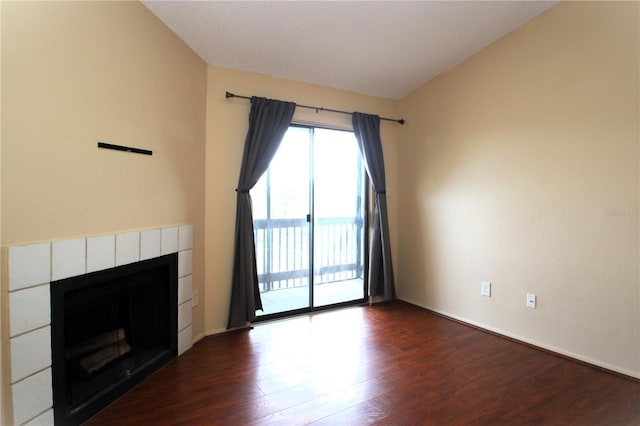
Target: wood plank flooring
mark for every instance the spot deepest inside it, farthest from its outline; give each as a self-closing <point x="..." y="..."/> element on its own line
<point x="389" y="364"/>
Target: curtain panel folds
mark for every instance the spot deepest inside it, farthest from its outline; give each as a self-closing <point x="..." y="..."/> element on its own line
<point x="268" y="121"/>
<point x="367" y="131"/>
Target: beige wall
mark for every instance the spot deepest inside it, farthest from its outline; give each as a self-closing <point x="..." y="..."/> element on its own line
<point x="4" y="385"/>
<point x="227" y="123"/>
<point x="76" y="73"/>
<point x="520" y="166"/>
<point x="73" y="74"/>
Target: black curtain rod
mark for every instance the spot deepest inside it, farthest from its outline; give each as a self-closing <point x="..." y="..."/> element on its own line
<point x="318" y="109"/>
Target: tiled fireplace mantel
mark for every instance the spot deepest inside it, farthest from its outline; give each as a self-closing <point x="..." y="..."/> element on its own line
<point x="32" y="268"/>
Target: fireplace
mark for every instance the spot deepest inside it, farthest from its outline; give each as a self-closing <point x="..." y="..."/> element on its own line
<point x="110" y="330"/>
<point x="35" y="268"/>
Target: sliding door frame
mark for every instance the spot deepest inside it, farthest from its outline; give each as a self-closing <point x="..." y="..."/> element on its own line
<point x="367" y="207"/>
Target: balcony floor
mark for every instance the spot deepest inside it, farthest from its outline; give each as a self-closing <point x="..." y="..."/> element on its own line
<point x="276" y="301"/>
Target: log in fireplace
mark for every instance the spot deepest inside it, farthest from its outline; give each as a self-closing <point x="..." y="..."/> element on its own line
<point x="109" y="331"/>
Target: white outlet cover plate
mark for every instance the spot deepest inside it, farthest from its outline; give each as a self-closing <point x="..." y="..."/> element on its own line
<point x="485" y="288"/>
<point x="531" y="300"/>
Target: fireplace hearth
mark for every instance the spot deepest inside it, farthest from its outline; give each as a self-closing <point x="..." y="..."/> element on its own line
<point x="110" y="330"/>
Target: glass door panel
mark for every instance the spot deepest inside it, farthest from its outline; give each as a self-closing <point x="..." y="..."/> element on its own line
<point x="280" y="208"/>
<point x="338" y="227"/>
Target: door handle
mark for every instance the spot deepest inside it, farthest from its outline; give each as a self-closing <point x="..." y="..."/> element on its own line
<point x="308" y="218"/>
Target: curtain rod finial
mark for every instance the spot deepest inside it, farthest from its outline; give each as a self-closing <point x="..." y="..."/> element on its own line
<point x="401" y="121"/>
<point x="229" y="95"/>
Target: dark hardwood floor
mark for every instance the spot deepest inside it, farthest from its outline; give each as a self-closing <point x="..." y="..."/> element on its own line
<point x="389" y="364"/>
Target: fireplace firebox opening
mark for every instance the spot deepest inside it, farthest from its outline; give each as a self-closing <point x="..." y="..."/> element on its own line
<point x="109" y="331"/>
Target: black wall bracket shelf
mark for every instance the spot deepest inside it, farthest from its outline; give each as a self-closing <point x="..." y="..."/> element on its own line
<point x="124" y="148"/>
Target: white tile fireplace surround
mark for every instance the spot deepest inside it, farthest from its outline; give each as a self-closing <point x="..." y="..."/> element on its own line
<point x="32" y="268"/>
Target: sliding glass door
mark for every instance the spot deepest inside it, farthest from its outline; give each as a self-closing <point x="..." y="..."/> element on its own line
<point x="309" y="222"/>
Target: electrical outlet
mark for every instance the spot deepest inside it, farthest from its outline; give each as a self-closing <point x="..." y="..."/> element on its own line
<point x="531" y="300"/>
<point x="485" y="288"/>
<point x="194" y="298"/>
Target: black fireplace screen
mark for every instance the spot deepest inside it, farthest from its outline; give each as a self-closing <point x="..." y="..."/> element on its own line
<point x="110" y="330"/>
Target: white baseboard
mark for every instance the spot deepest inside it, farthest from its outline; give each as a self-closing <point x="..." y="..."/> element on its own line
<point x="199" y="337"/>
<point x="215" y="331"/>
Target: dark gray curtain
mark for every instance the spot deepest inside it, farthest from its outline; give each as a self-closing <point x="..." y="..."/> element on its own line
<point x="367" y="130"/>
<point x="268" y="121"/>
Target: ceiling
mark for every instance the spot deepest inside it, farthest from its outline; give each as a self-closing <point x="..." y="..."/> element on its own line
<point x="379" y="48"/>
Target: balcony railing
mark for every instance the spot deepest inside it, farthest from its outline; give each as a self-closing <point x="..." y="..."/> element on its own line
<point x="282" y="251"/>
